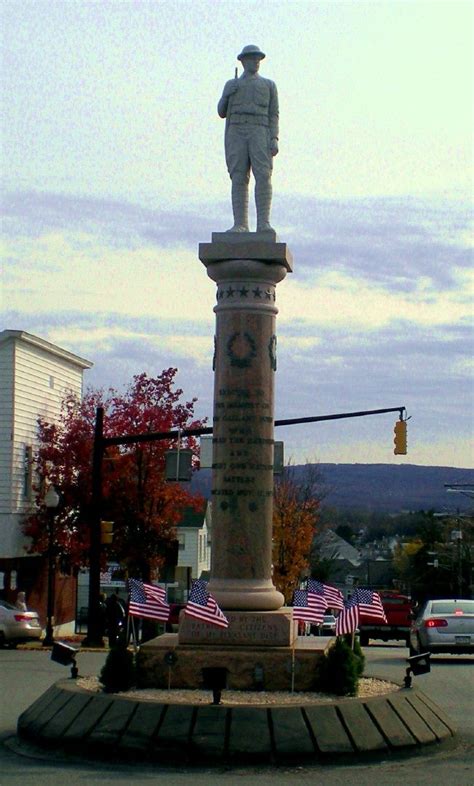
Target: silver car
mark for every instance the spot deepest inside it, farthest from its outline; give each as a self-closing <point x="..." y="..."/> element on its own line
<point x="16" y="625"/>
<point x="325" y="628"/>
<point x="445" y="625"/>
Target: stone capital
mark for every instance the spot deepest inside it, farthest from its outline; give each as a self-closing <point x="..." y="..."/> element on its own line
<point x="269" y="252"/>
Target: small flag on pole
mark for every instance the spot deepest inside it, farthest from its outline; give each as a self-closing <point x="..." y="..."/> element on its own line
<point x="203" y="606"/>
<point x="308" y="607"/>
<point x="348" y="619"/>
<point x="147" y="600"/>
<point x="334" y="597"/>
<point x="370" y="603"/>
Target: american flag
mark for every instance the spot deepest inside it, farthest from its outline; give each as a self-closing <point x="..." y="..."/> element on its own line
<point x="369" y="603"/>
<point x="203" y="606"/>
<point x="334" y="597"/>
<point x="148" y="601"/>
<point x="348" y="619"/>
<point x="308" y="607"/>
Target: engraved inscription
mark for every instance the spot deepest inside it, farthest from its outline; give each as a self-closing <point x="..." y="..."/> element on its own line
<point x="240" y="468"/>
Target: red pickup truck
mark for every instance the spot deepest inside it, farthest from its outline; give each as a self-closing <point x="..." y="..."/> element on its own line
<point x="398" y="609"/>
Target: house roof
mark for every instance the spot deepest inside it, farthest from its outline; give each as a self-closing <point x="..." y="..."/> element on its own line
<point x="192" y="519"/>
<point x="29" y="338"/>
<point x="331" y="546"/>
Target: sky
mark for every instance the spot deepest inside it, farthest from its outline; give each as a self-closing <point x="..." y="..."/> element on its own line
<point x="113" y="172"/>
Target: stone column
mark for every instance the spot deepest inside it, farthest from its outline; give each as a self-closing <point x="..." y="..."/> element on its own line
<point x="246" y="269"/>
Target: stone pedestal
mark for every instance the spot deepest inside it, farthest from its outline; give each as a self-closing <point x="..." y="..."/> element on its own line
<point x="246" y="269"/>
<point x="247" y="666"/>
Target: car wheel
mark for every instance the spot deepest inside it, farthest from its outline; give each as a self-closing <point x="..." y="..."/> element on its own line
<point x="364" y="640"/>
<point x="2" y="639"/>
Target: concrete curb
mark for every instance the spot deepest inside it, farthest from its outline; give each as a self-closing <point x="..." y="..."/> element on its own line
<point x="67" y="716"/>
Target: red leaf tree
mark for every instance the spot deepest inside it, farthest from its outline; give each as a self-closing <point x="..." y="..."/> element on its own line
<point x="296" y="506"/>
<point x="144" y="507"/>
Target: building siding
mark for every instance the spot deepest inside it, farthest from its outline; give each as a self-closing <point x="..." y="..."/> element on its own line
<point x="6" y="423"/>
<point x="34" y="378"/>
<point x="35" y="397"/>
<point x="189" y="557"/>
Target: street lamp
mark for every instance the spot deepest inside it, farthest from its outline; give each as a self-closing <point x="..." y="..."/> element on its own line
<point x="51" y="501"/>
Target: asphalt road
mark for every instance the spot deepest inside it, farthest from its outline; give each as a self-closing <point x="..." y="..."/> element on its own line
<point x="25" y="675"/>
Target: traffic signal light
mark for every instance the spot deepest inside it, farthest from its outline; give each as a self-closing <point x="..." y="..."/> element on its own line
<point x="106" y="532"/>
<point x="400" y="439"/>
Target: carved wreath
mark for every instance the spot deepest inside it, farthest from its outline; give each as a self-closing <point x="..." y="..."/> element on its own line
<point x="241" y="349"/>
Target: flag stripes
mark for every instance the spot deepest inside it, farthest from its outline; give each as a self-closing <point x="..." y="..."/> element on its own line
<point x="308" y="607"/>
<point x="334" y="596"/>
<point x="148" y="601"/>
<point x="348" y="619"/>
<point x="202" y="606"/>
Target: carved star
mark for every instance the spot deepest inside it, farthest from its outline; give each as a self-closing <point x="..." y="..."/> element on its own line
<point x="230" y="292"/>
<point x="257" y="292"/>
<point x="220" y="294"/>
<point x="244" y="292"/>
<point x="268" y="294"/>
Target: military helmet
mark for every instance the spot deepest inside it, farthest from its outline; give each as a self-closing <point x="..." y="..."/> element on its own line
<point x="251" y="49"/>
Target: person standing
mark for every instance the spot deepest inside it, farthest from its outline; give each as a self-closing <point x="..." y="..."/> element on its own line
<point x="250" y="105"/>
<point x="115" y="616"/>
<point x="20" y="602"/>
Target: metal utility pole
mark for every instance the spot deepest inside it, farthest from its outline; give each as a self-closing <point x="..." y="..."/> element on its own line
<point x="94" y="624"/>
<point x="51" y="501"/>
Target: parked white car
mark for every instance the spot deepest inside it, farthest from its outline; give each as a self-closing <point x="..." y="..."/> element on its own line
<point x="444" y="625"/>
<point x="17" y="626"/>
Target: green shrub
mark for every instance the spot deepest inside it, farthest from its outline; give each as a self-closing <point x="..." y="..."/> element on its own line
<point x="118" y="672"/>
<point x="339" y="670"/>
<point x="359" y="653"/>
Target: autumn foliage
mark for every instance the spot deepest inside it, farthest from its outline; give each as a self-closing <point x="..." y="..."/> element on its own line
<point x="143" y="506"/>
<point x="295" y="515"/>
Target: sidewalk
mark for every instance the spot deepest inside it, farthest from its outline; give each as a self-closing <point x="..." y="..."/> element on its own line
<point x="74" y="640"/>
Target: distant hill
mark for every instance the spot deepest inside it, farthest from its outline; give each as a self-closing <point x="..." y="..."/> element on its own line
<point x="385" y="488"/>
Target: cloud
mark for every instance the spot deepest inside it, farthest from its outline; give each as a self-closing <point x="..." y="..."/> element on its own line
<point x="122" y="285"/>
<point x="388" y="241"/>
<point x="118" y="223"/>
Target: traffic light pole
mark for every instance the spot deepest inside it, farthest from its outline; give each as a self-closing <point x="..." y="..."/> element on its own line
<point x="129" y="439"/>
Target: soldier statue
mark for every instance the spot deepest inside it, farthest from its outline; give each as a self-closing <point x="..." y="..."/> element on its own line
<point x="250" y="106"/>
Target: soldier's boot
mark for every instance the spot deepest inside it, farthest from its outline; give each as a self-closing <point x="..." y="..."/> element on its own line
<point x="240" y="205"/>
<point x="263" y="202"/>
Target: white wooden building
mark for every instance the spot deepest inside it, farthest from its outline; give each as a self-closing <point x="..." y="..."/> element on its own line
<point x="34" y="377"/>
<point x="194" y="550"/>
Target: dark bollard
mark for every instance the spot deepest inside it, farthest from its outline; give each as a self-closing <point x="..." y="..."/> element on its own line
<point x="215" y="679"/>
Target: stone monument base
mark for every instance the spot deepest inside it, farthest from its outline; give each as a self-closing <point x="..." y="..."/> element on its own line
<point x="249" y="668"/>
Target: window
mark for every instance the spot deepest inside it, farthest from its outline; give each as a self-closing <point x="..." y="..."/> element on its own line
<point x="201" y="549"/>
<point x="27" y="471"/>
<point x="453" y="607"/>
<point x="181" y="542"/>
